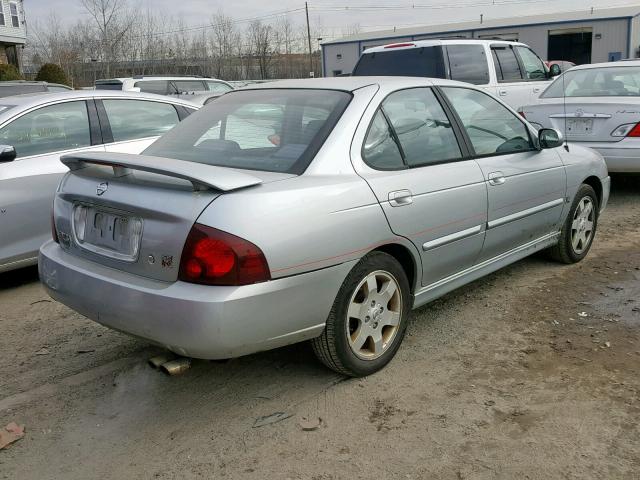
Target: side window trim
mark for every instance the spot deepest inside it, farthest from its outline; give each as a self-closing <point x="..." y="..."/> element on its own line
<point x="105" y="126"/>
<point x="94" y="123"/>
<point x="467" y="139"/>
<point x="459" y="133"/>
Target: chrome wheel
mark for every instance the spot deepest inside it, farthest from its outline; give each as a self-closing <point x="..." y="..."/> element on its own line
<point x="374" y="315"/>
<point x="582" y="226"/>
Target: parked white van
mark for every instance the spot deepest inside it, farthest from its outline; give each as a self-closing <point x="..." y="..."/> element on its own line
<point x="509" y="70"/>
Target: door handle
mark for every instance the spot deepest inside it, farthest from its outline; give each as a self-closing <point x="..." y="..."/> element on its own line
<point x="536" y="89"/>
<point x="502" y="93"/>
<point x="496" y="178"/>
<point x="400" y="198"/>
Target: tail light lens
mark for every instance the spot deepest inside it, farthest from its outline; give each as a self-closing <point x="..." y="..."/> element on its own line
<point x="627" y="130"/>
<point x="214" y="257"/>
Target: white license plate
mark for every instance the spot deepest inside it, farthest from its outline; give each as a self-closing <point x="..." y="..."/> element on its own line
<point x="580" y="126"/>
<point x="107" y="233"/>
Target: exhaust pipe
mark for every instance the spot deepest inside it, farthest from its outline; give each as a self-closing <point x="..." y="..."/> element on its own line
<point x="176" y="367"/>
<point x="156" y="362"/>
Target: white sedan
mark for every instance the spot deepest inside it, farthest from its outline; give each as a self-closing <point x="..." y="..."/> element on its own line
<point x="597" y="106"/>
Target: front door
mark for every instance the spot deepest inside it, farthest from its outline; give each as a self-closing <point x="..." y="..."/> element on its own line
<point x="429" y="192"/>
<point x="526" y="186"/>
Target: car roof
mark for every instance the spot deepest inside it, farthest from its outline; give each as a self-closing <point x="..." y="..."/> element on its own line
<point x="34" y="99"/>
<point x="438" y="42"/>
<point x="625" y="63"/>
<point x="350" y="84"/>
<point x="30" y="82"/>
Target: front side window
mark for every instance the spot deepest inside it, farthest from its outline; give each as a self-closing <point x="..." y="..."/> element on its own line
<point x="276" y="130"/>
<point x="534" y="69"/>
<point x="15" y="20"/>
<point x="421" y="126"/>
<point x="49" y="129"/>
<point x="218" y="87"/>
<point x="492" y="128"/>
<point x="184" y="86"/>
<point x="134" y="119"/>
<point x="597" y="82"/>
<point x="159" y="87"/>
<point x="507" y="66"/>
<point x="409" y="62"/>
<point x="468" y="63"/>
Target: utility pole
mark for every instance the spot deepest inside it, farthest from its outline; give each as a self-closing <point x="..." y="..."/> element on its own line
<point x="306" y="8"/>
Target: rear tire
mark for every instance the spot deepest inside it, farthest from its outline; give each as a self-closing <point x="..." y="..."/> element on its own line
<point x="579" y="229"/>
<point x="368" y="319"/>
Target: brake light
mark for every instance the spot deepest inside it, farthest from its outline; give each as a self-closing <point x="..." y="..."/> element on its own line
<point x="54" y="232"/>
<point x="635" y="131"/>
<point x="400" y="45"/>
<point x="627" y="130"/>
<point x="214" y="257"/>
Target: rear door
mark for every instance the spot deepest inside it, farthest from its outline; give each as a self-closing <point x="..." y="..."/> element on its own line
<point x="130" y="126"/>
<point x="512" y="88"/>
<point x="534" y="70"/>
<point x="430" y="193"/>
<point x="28" y="184"/>
<point x="526" y="186"/>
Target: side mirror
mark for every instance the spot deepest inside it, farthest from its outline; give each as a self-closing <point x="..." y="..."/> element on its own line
<point x="550" y="138"/>
<point x="7" y="153"/>
<point x="555" y="70"/>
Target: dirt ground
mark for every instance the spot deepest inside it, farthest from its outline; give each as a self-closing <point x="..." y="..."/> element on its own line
<point x="531" y="373"/>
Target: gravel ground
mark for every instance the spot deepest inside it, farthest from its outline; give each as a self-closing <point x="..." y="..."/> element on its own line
<point x="530" y="373"/>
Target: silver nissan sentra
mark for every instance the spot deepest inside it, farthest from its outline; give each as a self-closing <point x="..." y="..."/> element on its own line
<point x="320" y="210"/>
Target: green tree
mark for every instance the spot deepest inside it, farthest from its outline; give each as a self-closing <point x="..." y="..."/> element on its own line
<point x="9" y="72"/>
<point x="52" y="73"/>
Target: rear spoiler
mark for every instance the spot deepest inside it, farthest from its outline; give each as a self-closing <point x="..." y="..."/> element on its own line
<point x="202" y="176"/>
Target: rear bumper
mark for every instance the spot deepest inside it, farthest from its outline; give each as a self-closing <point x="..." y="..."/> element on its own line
<point x="621" y="157"/>
<point x="194" y="320"/>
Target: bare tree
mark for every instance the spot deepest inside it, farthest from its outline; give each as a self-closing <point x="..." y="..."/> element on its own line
<point x="264" y="44"/>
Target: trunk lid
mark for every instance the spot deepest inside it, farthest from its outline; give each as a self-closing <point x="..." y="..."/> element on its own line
<point x="586" y="121"/>
<point x="133" y="212"/>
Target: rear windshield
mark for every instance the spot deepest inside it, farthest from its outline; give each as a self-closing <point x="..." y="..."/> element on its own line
<point x="8" y="90"/>
<point x="597" y="82"/>
<point x="275" y="130"/>
<point x="409" y="62"/>
<point x="109" y="85"/>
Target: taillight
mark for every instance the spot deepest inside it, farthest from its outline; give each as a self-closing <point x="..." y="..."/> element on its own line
<point x="214" y="257"/>
<point x="54" y="232"/>
<point x="627" y="130"/>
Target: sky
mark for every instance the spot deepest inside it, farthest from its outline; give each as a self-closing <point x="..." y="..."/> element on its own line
<point x="335" y="18"/>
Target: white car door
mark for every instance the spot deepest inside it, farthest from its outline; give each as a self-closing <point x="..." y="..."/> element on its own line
<point x="133" y="125"/>
<point x="28" y="183"/>
<point x="512" y="86"/>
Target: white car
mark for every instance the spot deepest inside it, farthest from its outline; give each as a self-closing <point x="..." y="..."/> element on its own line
<point x="596" y="106"/>
<point x="182" y="87"/>
<point x="510" y="70"/>
<point x="36" y="129"/>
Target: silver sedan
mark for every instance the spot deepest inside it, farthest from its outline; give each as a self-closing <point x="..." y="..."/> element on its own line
<point x="36" y="129"/>
<point x="320" y="210"/>
<point x="597" y="106"/>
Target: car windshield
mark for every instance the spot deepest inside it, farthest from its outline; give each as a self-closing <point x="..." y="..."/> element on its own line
<point x="276" y="130"/>
<point x="410" y="62"/>
<point x="597" y="82"/>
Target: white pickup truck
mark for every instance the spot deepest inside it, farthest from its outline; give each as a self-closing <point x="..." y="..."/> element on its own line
<point x="509" y="70"/>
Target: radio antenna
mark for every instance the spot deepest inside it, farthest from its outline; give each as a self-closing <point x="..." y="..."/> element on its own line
<point x="564" y="104"/>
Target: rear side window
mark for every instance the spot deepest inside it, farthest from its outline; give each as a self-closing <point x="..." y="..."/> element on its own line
<point x="380" y="149"/>
<point x="276" y="130"/>
<point x="468" y="63"/>
<point x="507" y="66"/>
<point x="55" y="128"/>
<point x="491" y="127"/>
<point x="410" y="62"/>
<point x="134" y="119"/>
<point x="159" y="87"/>
<point x="218" y="87"/>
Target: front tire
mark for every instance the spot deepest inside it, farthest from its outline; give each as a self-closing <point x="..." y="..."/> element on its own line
<point x="368" y="319"/>
<point x="579" y="229"/>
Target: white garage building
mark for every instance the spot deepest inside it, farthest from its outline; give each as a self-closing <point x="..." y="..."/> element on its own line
<point x="590" y="36"/>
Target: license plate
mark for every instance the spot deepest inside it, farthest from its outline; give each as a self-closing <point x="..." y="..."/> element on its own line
<point x="580" y="126"/>
<point x="107" y="233"/>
